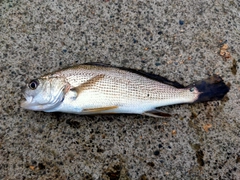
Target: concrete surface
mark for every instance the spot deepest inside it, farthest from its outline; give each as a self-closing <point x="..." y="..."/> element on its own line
<point x="180" y="40"/>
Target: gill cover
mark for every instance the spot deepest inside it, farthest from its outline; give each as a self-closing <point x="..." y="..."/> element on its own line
<point x="44" y="93"/>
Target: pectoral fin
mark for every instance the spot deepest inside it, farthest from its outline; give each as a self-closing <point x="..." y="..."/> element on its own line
<point x="156" y="113"/>
<point x="100" y="109"/>
<point x="88" y="84"/>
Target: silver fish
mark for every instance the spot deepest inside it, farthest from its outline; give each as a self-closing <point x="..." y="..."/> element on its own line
<point x="101" y="89"/>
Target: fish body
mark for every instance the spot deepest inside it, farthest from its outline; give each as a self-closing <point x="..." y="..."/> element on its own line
<point x="100" y="89"/>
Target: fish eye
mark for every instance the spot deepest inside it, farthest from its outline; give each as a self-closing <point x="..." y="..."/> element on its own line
<point x="192" y="89"/>
<point x="33" y="84"/>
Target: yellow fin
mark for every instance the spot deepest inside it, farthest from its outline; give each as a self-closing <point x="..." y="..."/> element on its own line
<point x="156" y="113"/>
<point x="88" y="84"/>
<point x="94" y="110"/>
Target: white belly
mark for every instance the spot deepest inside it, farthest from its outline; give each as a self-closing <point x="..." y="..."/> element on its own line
<point x="90" y="100"/>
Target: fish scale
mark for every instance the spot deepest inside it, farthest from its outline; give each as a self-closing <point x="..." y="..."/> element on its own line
<point x="94" y="89"/>
<point x="129" y="85"/>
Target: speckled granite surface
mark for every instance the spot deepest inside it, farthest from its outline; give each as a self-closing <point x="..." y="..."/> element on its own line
<point x="178" y="40"/>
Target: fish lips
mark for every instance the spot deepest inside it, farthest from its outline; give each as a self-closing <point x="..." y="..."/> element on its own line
<point x="28" y="104"/>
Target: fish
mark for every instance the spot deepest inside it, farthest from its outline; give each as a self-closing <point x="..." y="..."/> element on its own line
<point x="96" y="88"/>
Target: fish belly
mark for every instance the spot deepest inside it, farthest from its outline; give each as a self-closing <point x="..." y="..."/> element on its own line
<point x="95" y="102"/>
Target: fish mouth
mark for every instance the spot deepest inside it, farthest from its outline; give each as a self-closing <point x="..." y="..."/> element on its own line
<point x="30" y="104"/>
<point x="27" y="103"/>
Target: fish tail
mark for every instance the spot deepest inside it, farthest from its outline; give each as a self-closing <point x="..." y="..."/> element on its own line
<point x="212" y="88"/>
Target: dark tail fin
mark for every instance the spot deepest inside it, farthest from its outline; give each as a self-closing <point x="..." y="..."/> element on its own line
<point x="211" y="89"/>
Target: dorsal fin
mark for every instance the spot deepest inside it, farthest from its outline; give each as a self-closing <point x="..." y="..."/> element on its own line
<point x="142" y="73"/>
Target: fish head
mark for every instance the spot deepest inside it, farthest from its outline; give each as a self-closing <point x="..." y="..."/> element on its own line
<point x="44" y="93"/>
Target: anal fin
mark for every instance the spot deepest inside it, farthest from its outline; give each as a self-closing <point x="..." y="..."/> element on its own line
<point x="100" y="109"/>
<point x="156" y="113"/>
